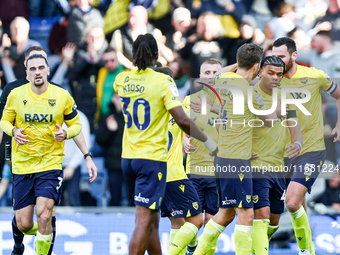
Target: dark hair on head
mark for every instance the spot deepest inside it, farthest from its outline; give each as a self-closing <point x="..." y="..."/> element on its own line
<point x="145" y="51"/>
<point x="109" y="49"/>
<point x="248" y="55"/>
<point x="33" y="48"/>
<point x="291" y="46"/>
<point x="273" y="61"/>
<point x="37" y="56"/>
<point x="165" y="70"/>
<point x="325" y="33"/>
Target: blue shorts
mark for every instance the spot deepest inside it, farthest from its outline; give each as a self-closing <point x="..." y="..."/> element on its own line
<point x="269" y="190"/>
<point x="180" y="200"/>
<point x="234" y="189"/>
<point x="306" y="168"/>
<point x="207" y="193"/>
<point x="146" y="181"/>
<point x="27" y="187"/>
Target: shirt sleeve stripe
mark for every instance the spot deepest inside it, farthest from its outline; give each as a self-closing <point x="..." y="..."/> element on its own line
<point x="71" y="115"/>
<point x="332" y="88"/>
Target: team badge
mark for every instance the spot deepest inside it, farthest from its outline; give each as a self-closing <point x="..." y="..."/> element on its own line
<point x="248" y="198"/>
<point x="160" y="175"/>
<point x="255" y="199"/>
<point x="24" y="101"/>
<point x="304" y="80"/>
<point x="126" y="79"/>
<point x="195" y="205"/>
<point x="241" y="176"/>
<point x="52" y="102"/>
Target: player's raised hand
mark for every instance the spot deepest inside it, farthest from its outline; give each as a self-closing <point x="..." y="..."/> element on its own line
<point x="188" y="148"/>
<point x="19" y="136"/>
<point x="293" y="150"/>
<point x="93" y="171"/>
<point x="336" y="131"/>
<point x="61" y="134"/>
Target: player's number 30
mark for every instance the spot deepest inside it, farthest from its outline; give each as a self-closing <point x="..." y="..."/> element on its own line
<point x="136" y="104"/>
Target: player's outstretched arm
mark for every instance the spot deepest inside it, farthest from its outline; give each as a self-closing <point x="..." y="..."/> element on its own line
<point x="336" y="130"/>
<point x="189" y="127"/>
<point x="226" y="69"/>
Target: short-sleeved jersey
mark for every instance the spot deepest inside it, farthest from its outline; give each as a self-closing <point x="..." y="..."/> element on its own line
<point x="175" y="167"/>
<point x="200" y="162"/>
<point x="146" y="97"/>
<point x="38" y="116"/>
<point x="235" y="137"/>
<point x="311" y="126"/>
<point x="269" y="142"/>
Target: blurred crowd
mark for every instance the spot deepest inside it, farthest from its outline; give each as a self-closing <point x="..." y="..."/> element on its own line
<point x="90" y="41"/>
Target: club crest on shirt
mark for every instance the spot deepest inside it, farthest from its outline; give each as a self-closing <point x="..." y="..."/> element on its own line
<point x="24" y="101"/>
<point x="52" y="102"/>
<point x="304" y="80"/>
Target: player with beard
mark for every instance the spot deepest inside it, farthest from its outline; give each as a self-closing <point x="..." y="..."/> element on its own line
<point x="305" y="168"/>
<point x="37" y="148"/>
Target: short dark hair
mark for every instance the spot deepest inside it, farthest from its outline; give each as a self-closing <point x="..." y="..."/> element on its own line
<point x="34" y="48"/>
<point x="165" y="70"/>
<point x="109" y="49"/>
<point x="273" y="61"/>
<point x="290" y="43"/>
<point x="248" y="55"/>
<point x="37" y="56"/>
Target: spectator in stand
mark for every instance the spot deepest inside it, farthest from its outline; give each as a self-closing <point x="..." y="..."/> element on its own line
<point x="181" y="23"/>
<point x="207" y="43"/>
<point x="106" y="77"/>
<point x="302" y="41"/>
<point x="83" y="76"/>
<point x="43" y="8"/>
<point x="109" y="135"/>
<point x="72" y="165"/>
<point x="80" y="19"/>
<point x="14" y="49"/>
<point x="122" y="40"/>
<point x="331" y="21"/>
<point x="181" y="73"/>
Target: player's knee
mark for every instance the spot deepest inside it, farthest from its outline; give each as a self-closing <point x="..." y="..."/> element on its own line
<point x="24" y="225"/>
<point x="292" y="205"/>
<point x="262" y="213"/>
<point x="197" y="220"/>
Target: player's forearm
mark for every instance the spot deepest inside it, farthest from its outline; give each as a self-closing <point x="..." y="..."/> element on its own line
<point x="7" y="127"/>
<point x="81" y="143"/>
<point x="295" y="132"/>
<point x="338" y="107"/>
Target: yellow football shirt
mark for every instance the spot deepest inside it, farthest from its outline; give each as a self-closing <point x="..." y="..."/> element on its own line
<point x="235" y="135"/>
<point x="146" y="98"/>
<point x="200" y="162"/>
<point x="175" y="167"/>
<point x="269" y="142"/>
<point x="311" y="126"/>
<point x="38" y="116"/>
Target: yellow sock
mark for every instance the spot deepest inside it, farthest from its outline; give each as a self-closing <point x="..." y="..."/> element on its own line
<point x="183" y="237"/>
<point x="209" y="237"/>
<point x="43" y="243"/>
<point x="243" y="241"/>
<point x="311" y="246"/>
<point x="193" y="241"/>
<point x="33" y="230"/>
<point x="259" y="236"/>
<point x="301" y="228"/>
<point x="271" y="231"/>
<point x="213" y="249"/>
<point x="173" y="232"/>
